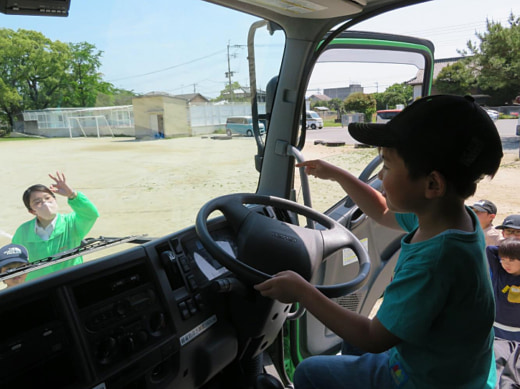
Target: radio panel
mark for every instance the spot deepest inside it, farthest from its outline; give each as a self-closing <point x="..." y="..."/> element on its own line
<point x="121" y="316"/>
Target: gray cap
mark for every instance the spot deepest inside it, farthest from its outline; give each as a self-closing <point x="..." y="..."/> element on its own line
<point x="512" y="221"/>
<point x="485" y="206"/>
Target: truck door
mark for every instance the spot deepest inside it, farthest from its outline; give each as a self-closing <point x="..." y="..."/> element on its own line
<point x="359" y="64"/>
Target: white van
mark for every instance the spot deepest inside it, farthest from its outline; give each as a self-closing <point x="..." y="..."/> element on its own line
<point x="313" y="120"/>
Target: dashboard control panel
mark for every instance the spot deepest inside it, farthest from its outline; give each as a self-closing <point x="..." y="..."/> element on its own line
<point x="142" y="318"/>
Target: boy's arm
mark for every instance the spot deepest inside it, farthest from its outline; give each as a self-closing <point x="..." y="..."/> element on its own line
<point x="360" y="331"/>
<point x="368" y="199"/>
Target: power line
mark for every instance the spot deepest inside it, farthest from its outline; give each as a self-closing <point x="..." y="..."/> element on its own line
<point x="169" y="67"/>
<point x="457" y="28"/>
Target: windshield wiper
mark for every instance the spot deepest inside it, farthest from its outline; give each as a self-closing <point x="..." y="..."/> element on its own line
<point x="87" y="246"/>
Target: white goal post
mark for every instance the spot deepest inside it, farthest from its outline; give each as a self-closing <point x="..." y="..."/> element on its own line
<point x="99" y="122"/>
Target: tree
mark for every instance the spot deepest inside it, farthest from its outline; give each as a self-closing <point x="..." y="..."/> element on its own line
<point x="109" y="96"/>
<point x="84" y="78"/>
<point x="397" y="94"/>
<point x="336" y="104"/>
<point x="360" y="102"/>
<point x="496" y="58"/>
<point x="44" y="64"/>
<point x="457" y="79"/>
<point x="10" y="103"/>
<point x="393" y="95"/>
<point x="227" y="94"/>
<point x="38" y="73"/>
<point x="380" y="100"/>
<point x="31" y="71"/>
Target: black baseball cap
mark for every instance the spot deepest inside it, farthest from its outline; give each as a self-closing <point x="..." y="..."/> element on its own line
<point x="512" y="221"/>
<point x="485" y="206"/>
<point x="13" y="253"/>
<point x="448" y="133"/>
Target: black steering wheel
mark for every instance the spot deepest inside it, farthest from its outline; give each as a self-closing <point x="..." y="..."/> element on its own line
<point x="267" y="245"/>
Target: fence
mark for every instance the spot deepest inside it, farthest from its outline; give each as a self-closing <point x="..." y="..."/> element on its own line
<point x="206" y="118"/>
<point x="62" y="122"/>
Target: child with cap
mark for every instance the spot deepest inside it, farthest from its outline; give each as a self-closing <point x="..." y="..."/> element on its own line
<point x="13" y="256"/>
<point x="486" y="211"/>
<point x="504" y="265"/>
<point x="50" y="232"/>
<point x="434" y="153"/>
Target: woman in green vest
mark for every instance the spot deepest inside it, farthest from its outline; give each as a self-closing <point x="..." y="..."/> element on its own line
<point x="50" y="232"/>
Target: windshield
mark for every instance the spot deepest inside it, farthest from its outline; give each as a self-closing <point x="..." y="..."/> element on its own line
<point x="132" y="112"/>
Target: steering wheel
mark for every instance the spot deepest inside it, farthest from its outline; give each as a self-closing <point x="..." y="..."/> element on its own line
<point x="266" y="245"/>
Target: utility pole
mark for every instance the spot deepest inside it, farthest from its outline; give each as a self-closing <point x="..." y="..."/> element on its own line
<point x="230" y="73"/>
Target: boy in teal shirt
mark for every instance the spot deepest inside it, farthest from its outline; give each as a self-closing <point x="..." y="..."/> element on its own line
<point x="50" y="232"/>
<point x="434" y="327"/>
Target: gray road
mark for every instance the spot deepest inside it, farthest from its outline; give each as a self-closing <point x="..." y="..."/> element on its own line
<point x="506" y="128"/>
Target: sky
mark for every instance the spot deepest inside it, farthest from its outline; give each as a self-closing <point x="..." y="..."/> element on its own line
<point x="182" y="46"/>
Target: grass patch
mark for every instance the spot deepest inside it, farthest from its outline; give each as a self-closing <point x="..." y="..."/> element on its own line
<point x="504" y="116"/>
<point x="15" y="139"/>
<point x="331" y="123"/>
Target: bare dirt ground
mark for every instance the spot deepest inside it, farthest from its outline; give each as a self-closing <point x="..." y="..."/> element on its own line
<point x="157" y="187"/>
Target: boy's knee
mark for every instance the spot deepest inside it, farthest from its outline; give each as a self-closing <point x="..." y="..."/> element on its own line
<point x="305" y="372"/>
<point x="302" y="372"/>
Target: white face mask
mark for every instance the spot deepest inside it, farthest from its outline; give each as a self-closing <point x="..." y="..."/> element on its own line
<point x="47" y="210"/>
<point x="44" y="207"/>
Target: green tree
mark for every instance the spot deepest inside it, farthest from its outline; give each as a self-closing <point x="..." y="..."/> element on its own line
<point x="336" y="104"/>
<point x="108" y="95"/>
<point x="380" y="100"/>
<point x="397" y="94"/>
<point x="32" y="70"/>
<point x="38" y="73"/>
<point x="360" y="102"/>
<point x="43" y="70"/>
<point x="496" y="57"/>
<point x="83" y="74"/>
<point x="10" y="103"/>
<point x="457" y="78"/>
<point x="228" y="93"/>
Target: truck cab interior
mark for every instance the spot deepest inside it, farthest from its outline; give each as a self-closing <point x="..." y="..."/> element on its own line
<point x="175" y="308"/>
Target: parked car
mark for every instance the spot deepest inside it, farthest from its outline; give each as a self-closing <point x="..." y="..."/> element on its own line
<point x="313" y="120"/>
<point x="518" y="126"/>
<point x="384" y="115"/>
<point x="492" y="113"/>
<point x="242" y="125"/>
